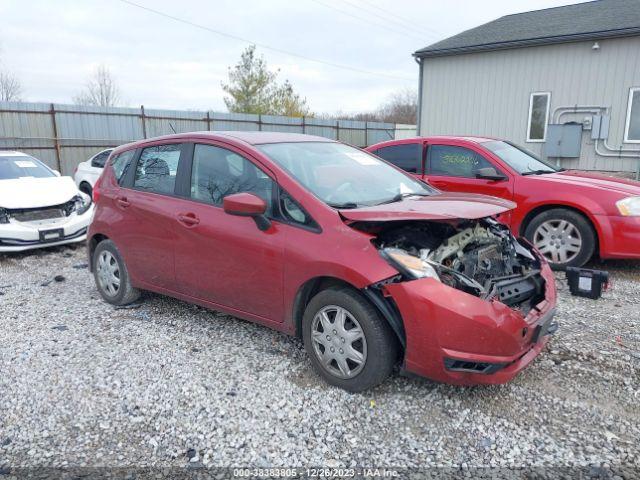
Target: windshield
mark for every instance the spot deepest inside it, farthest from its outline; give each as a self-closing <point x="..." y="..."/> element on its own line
<point x="21" y="166"/>
<point x="522" y="161"/>
<point x="343" y="176"/>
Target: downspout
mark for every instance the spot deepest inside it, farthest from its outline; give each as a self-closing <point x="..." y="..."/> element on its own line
<point x="419" y="111"/>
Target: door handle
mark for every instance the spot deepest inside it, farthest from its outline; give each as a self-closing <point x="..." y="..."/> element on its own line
<point x="438" y="183"/>
<point x="123" y="202"/>
<point x="188" y="219"/>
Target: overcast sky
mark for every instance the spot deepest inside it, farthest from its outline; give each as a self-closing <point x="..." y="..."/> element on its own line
<point x="52" y="46"/>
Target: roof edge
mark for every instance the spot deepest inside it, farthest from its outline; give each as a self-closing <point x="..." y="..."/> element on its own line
<point x="529" y="42"/>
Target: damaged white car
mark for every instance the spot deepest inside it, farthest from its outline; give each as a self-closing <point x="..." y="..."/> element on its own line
<point x="38" y="207"/>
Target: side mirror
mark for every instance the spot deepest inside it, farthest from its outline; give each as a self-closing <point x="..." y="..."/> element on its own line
<point x="247" y="205"/>
<point x="490" y="173"/>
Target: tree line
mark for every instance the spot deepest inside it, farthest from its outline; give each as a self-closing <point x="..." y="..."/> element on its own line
<point x="252" y="87"/>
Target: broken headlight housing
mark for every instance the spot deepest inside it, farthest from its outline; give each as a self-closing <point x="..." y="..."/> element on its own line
<point x="81" y="203"/>
<point x="409" y="265"/>
<point x="4" y="216"/>
<point x="629" y="207"/>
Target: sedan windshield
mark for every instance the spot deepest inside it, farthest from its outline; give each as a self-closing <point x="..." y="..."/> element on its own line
<point x="521" y="160"/>
<point x="22" y="166"/>
<point x="344" y="176"/>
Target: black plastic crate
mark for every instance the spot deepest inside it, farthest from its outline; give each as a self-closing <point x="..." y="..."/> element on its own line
<point x="587" y="283"/>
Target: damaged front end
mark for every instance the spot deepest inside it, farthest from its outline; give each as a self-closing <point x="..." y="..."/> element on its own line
<point x="479" y="257"/>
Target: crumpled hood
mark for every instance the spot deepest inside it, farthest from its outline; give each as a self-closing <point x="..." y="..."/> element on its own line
<point x="588" y="180"/>
<point x="441" y="206"/>
<point x="36" y="192"/>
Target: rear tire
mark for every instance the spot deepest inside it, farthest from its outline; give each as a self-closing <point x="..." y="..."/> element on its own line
<point x="564" y="237"/>
<point x="350" y="345"/>
<point x="86" y="188"/>
<point x="111" y="275"/>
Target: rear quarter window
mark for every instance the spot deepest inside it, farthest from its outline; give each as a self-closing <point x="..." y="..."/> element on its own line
<point x="121" y="163"/>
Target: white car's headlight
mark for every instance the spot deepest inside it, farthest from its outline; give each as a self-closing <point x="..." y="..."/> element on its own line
<point x="82" y="203"/>
<point x="629" y="207"/>
<point x="409" y="265"/>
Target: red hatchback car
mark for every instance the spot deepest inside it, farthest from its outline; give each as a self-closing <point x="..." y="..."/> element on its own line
<point x="315" y="238"/>
<point x="569" y="216"/>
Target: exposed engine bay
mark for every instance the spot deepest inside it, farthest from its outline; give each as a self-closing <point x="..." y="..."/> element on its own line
<point x="480" y="257"/>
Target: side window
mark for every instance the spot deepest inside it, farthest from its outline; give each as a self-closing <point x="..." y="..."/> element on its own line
<point x="407" y="156"/>
<point x="157" y="168"/>
<point x="632" y="128"/>
<point x="293" y="212"/>
<point x="99" y="160"/>
<point x="218" y="172"/>
<point x="454" y="161"/>
<point x="121" y="163"/>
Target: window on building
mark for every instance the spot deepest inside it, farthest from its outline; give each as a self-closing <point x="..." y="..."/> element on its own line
<point x="452" y="161"/>
<point x="538" y="116"/>
<point x="632" y="129"/>
<point x="218" y="172"/>
<point x="157" y="168"/>
<point x="407" y="156"/>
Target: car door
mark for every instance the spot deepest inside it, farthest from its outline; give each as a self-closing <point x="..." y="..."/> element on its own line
<point x="222" y="258"/>
<point x="452" y="167"/>
<point x="408" y="156"/>
<point x="146" y="231"/>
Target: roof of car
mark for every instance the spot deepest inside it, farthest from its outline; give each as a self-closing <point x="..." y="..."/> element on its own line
<point x="252" y="138"/>
<point x="581" y="21"/>
<point x="445" y="138"/>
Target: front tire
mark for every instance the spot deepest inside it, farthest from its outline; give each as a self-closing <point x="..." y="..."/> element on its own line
<point x="350" y="345"/>
<point x="564" y="237"/>
<point x="111" y="275"/>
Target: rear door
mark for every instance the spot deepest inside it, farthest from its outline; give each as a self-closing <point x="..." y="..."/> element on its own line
<point x="147" y="237"/>
<point x="453" y="167"/>
<point x="222" y="258"/>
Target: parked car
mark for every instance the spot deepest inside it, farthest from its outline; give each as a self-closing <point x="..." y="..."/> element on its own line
<point x="319" y="239"/>
<point x="568" y="215"/>
<point x="87" y="172"/>
<point x="38" y="207"/>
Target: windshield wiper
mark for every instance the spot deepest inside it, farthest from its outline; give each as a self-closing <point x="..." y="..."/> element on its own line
<point x="345" y="205"/>
<point x="537" y="172"/>
<point x="401" y="196"/>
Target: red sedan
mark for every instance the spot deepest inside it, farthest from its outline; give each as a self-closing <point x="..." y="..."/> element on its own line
<point x="569" y="216"/>
<point x="315" y="238"/>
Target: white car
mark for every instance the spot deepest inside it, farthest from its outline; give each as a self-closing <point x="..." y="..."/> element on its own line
<point x="38" y="207"/>
<point x="87" y="172"/>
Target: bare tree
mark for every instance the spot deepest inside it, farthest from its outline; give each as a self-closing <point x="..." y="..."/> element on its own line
<point x="400" y="107"/>
<point x="10" y="88"/>
<point x="101" y="89"/>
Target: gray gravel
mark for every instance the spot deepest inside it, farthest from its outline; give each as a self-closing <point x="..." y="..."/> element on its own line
<point x="167" y="383"/>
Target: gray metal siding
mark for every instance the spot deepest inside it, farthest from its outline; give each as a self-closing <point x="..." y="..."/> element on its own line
<point x="488" y="93"/>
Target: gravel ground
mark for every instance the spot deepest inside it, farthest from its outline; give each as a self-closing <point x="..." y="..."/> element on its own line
<point x="170" y="384"/>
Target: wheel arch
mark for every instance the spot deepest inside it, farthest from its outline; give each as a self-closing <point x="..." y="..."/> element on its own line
<point x="385" y="307"/>
<point x="534" y="212"/>
<point x="91" y="247"/>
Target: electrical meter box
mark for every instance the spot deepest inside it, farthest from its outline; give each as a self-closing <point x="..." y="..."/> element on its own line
<point x="564" y="140"/>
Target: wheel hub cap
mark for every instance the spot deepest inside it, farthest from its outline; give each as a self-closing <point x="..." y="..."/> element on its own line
<point x="338" y="342"/>
<point x="108" y="273"/>
<point x="558" y="240"/>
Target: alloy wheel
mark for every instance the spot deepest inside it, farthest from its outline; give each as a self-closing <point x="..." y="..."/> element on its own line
<point x="108" y="273"/>
<point x="339" y="342"/>
<point x="558" y="240"/>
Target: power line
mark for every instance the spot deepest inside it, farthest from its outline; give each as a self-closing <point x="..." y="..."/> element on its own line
<point x="262" y="45"/>
<point x="368" y="22"/>
<point x="407" y="22"/>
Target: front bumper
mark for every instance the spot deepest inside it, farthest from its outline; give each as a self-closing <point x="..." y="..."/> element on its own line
<point x="19" y="236"/>
<point x="619" y="236"/>
<point x="457" y="338"/>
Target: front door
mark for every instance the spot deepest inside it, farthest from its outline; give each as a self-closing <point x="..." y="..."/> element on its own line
<point x="222" y="258"/>
<point x="454" y="168"/>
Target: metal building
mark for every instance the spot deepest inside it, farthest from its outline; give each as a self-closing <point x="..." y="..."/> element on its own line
<point x="563" y="82"/>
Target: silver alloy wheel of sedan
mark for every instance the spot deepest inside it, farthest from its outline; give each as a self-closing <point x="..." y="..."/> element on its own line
<point x="339" y="342"/>
<point x="108" y="273"/>
<point x="558" y="240"/>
